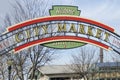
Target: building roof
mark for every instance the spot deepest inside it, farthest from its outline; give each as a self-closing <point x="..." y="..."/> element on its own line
<point x="109" y="64"/>
<point x="56" y="69"/>
<point x="66" y="69"/>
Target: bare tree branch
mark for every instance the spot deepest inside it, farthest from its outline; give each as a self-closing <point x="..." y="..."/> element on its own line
<point x="84" y="61"/>
<point x="26" y="62"/>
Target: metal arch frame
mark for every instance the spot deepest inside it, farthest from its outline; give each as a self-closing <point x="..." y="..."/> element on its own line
<point x="20" y="27"/>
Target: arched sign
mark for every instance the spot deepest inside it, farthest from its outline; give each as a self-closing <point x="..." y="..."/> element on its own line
<point x="61" y="32"/>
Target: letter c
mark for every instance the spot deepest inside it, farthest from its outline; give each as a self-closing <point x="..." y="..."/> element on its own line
<point x="19" y="37"/>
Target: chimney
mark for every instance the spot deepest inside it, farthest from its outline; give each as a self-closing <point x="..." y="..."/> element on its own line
<point x="101" y="55"/>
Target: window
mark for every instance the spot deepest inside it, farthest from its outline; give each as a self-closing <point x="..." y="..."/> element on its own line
<point x="118" y="79"/>
<point x="60" y="78"/>
<point x="113" y="79"/>
<point x="101" y="79"/>
<point x="108" y="79"/>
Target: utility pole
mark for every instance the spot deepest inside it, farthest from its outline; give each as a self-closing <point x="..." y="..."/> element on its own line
<point x="9" y="72"/>
<point x="101" y="55"/>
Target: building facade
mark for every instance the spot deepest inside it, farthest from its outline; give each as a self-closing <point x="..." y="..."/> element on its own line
<point x="58" y="72"/>
<point x="106" y="71"/>
<point x="101" y="71"/>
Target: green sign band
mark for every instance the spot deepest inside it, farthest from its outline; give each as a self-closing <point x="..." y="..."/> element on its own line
<point x="65" y="10"/>
<point x="64" y="44"/>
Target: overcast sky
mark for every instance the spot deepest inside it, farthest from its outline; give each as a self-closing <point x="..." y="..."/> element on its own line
<point x="105" y="11"/>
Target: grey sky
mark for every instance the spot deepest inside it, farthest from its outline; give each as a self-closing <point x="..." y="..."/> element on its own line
<point x="105" y="11"/>
<point x="4" y="6"/>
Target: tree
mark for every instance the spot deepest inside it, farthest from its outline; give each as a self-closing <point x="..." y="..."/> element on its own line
<point x="27" y="61"/>
<point x="40" y="57"/>
<point x="115" y="57"/>
<point x="84" y="61"/>
<point x="2" y="67"/>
